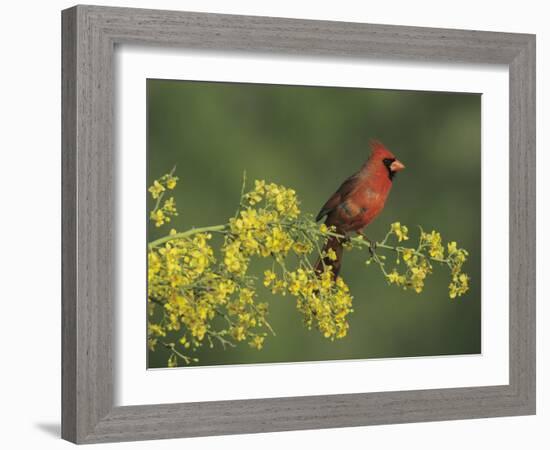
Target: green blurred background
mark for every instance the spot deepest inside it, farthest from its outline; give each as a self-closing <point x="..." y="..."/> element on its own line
<point x="311" y="139"/>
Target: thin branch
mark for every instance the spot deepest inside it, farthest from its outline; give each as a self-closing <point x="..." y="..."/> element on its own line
<point x="184" y="234"/>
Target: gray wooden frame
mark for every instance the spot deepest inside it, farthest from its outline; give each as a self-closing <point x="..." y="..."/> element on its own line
<point x="90" y="34"/>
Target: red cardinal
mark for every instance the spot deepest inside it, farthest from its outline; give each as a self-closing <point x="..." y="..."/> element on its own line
<point x="358" y="200"/>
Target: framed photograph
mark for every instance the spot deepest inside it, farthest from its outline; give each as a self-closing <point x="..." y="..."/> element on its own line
<point x="277" y="224"/>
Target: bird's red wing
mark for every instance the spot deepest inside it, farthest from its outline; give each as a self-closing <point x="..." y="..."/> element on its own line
<point x="339" y="196"/>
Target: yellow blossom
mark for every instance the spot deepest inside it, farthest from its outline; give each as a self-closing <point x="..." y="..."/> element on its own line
<point x="257" y="342"/>
<point x="158" y="217"/>
<point x="156" y="189"/>
<point x="401" y="231"/>
<point x="395" y="278"/>
<point x="302" y="248"/>
<point x="170" y="206"/>
<point x="451" y="247"/>
<point x="436" y="249"/>
<point x="407" y="254"/>
<point x="239" y="333"/>
<point x="331" y="254"/>
<point x="156" y="330"/>
<point x="459" y="285"/>
<point x="171" y="182"/>
<point x="269" y="277"/>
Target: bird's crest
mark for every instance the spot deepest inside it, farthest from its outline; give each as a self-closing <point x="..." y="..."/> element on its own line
<point x="379" y="150"/>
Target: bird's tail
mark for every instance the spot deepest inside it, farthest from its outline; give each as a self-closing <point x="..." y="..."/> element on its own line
<point x="335" y="244"/>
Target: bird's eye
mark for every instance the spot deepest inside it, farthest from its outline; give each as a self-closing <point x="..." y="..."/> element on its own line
<point x="387" y="161"/>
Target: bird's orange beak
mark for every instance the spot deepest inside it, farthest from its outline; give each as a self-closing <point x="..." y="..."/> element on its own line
<point x="396" y="166"/>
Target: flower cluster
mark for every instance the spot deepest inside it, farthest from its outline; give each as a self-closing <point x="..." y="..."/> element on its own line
<point x="324" y="300"/>
<point x="162" y="212"/>
<point x="401" y="231"/>
<point x="159" y="186"/>
<point x="456" y="259"/>
<point x="198" y="296"/>
<point x="269" y="225"/>
<point x="188" y="289"/>
<point x="196" y="299"/>
<point x="277" y="198"/>
<point x="419" y="261"/>
<point x="260" y="227"/>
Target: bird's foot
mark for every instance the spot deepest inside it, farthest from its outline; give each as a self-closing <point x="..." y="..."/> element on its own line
<point x="372" y="245"/>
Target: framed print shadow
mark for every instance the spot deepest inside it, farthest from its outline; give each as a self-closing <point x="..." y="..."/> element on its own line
<point x="315" y="223"/>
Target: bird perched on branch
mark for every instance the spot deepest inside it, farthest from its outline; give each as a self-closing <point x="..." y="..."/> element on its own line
<point x="358" y="201"/>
